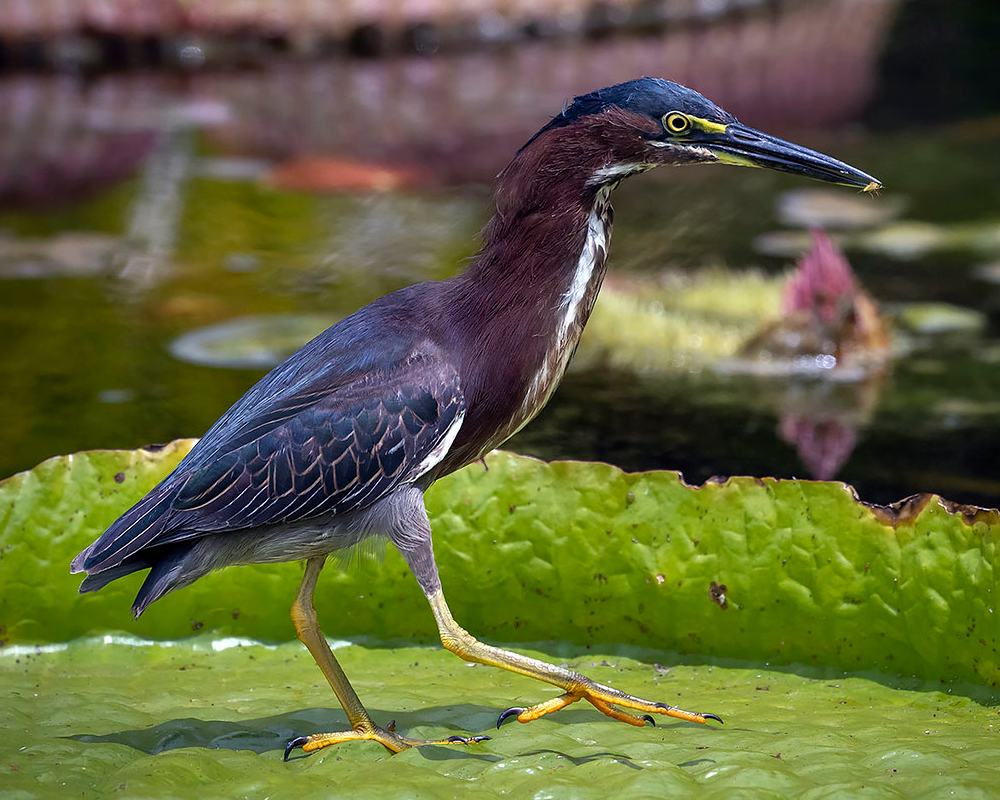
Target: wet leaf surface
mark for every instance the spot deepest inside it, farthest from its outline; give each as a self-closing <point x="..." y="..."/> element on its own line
<point x="579" y="551"/>
<point x="771" y="572"/>
<point x="116" y="716"/>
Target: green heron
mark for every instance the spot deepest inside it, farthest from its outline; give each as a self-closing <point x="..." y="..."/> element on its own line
<point x="340" y="441"/>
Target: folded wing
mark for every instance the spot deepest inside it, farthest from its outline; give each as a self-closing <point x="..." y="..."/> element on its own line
<point x="314" y="452"/>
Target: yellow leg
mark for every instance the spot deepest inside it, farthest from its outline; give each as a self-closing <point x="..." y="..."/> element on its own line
<point x="362" y="725"/>
<point x="574" y="685"/>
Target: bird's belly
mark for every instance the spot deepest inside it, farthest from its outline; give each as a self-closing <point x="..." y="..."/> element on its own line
<point x="273" y="544"/>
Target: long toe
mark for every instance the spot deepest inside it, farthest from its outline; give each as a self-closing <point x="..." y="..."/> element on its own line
<point x="466" y="739"/>
<point x="609" y="702"/>
<point x="387" y="737"/>
<point x="690" y="716"/>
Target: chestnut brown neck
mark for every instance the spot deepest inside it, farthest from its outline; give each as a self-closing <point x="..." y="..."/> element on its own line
<point x="522" y="305"/>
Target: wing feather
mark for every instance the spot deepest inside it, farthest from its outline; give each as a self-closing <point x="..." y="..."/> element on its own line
<point x="314" y="454"/>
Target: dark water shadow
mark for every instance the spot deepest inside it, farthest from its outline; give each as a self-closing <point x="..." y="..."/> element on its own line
<point x="696" y="762"/>
<point x="264" y="734"/>
<point x="578" y="761"/>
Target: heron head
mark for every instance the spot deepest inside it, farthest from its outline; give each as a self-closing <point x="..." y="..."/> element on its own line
<point x="634" y="126"/>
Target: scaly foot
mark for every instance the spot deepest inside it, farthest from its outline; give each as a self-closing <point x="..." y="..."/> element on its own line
<point x="387" y="737"/>
<point x="602" y="698"/>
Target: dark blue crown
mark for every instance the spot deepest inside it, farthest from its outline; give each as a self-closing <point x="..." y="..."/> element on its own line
<point x="652" y="97"/>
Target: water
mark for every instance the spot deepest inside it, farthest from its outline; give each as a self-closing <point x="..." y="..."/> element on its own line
<point x="934" y="425"/>
<point x="148" y="215"/>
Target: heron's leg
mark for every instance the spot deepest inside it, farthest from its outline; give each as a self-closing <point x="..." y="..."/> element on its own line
<point x="362" y="725"/>
<point x="419" y="554"/>
<point x="574" y="685"/>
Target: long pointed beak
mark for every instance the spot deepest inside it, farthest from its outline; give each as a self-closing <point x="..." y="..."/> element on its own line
<point x="739" y="144"/>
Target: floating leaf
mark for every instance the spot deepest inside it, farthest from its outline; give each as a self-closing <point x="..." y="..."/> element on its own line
<point x="935" y="318"/>
<point x="835" y="208"/>
<point x="207" y="717"/>
<point x="582" y="552"/>
<point x="780" y="571"/>
<point x="907" y="239"/>
<point x="255" y="342"/>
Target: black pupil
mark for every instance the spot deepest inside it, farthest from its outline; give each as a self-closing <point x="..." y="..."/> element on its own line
<point x="677" y="123"/>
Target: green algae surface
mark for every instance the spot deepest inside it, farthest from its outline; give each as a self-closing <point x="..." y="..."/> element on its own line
<point x="852" y="650"/>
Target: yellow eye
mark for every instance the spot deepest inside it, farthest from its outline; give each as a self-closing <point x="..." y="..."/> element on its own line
<point x="676" y="123"/>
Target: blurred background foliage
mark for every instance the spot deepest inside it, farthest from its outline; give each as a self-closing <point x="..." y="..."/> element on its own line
<point x="190" y="189"/>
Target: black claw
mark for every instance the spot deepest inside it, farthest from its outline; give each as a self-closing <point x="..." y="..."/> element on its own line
<point x="467" y="739"/>
<point x="706" y="716"/>
<point x="298" y="741"/>
<point x="649" y="719"/>
<point x="510" y="712"/>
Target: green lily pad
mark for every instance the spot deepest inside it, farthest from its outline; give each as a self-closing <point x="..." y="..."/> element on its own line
<point x="256" y="342"/>
<point x="905" y="240"/>
<point x="112" y="717"/>
<point x="798" y="580"/>
<point x="781" y="571"/>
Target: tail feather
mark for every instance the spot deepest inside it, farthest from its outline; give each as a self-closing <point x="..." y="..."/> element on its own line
<point x="147" y="536"/>
<point x="131" y="532"/>
<point x="166" y="574"/>
<point x="98" y="580"/>
<point x="169" y="568"/>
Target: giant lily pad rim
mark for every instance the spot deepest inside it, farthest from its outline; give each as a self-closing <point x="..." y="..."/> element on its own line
<point x="896" y="513"/>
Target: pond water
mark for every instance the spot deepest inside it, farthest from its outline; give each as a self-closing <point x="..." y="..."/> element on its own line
<point x="186" y="225"/>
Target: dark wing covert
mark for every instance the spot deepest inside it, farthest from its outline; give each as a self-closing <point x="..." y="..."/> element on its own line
<point x="308" y="455"/>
